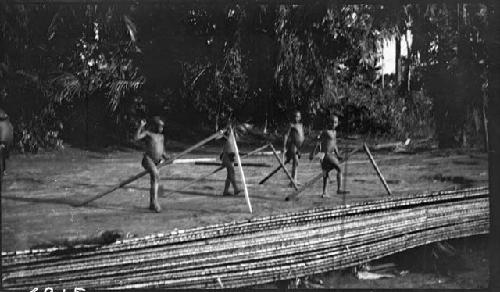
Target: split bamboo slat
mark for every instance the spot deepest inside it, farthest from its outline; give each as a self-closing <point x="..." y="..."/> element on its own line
<point x="259" y="250"/>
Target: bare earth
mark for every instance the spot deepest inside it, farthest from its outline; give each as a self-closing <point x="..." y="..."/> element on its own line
<point x="38" y="192"/>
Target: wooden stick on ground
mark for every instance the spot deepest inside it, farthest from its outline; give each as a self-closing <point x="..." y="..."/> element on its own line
<point x="283" y="166"/>
<point x="214" y="171"/>
<point x="270" y="174"/>
<point x="253" y="164"/>
<point x="142" y="173"/>
<point x="312" y="181"/>
<point x="238" y="160"/>
<point x="193" y="160"/>
<point x="375" y="166"/>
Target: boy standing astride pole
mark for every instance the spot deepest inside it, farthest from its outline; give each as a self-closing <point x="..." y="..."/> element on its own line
<point x="292" y="141"/>
<point x="327" y="142"/>
<point x="227" y="156"/>
<point x="155" y="152"/>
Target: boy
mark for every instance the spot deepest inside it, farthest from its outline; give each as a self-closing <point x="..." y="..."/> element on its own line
<point x="227" y="156"/>
<point x="155" y="152"/>
<point x="292" y="141"/>
<point x="329" y="155"/>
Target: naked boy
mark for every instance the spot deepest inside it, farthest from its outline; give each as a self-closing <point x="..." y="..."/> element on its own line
<point x="292" y="142"/>
<point x="330" y="156"/>
<point x="155" y="152"/>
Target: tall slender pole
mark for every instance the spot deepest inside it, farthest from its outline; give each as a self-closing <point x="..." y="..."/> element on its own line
<point x="375" y="166"/>
<point x="270" y="174"/>
<point x="283" y="166"/>
<point x="243" y="180"/>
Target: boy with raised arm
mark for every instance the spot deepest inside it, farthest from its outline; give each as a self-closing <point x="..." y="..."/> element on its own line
<point x="228" y="157"/>
<point x="330" y="156"/>
<point x="155" y="152"/>
<point x="292" y="142"/>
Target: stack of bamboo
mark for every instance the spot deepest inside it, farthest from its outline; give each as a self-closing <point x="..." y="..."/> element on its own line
<point x="259" y="250"/>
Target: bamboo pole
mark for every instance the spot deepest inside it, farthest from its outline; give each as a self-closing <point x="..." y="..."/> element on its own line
<point x="251" y="164"/>
<point x="238" y="160"/>
<point x="142" y="173"/>
<point x="331" y="244"/>
<point x="256" y="224"/>
<point x="193" y="160"/>
<point x="270" y="175"/>
<point x="376" y="224"/>
<point x="283" y="167"/>
<point x="436" y="216"/>
<point x="214" y="171"/>
<point x="307" y="185"/>
<point x="375" y="166"/>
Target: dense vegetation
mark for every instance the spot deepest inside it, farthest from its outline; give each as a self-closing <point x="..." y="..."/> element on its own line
<point x="86" y="74"/>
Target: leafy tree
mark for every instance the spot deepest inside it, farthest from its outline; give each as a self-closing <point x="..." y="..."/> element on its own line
<point x="83" y="58"/>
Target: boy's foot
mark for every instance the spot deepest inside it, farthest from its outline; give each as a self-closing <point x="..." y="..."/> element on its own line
<point x="227" y="194"/>
<point x="155" y="207"/>
<point x="325" y="195"/>
<point x="341" y="192"/>
<point x="237" y="192"/>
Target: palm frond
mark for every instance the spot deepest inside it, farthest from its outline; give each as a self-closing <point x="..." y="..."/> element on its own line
<point x="120" y="88"/>
<point x="65" y="86"/>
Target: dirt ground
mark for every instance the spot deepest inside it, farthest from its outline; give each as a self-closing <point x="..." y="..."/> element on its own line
<point x="39" y="191"/>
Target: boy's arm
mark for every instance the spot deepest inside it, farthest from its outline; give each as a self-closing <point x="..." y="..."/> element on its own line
<point x="140" y="134"/>
<point x="313" y="152"/>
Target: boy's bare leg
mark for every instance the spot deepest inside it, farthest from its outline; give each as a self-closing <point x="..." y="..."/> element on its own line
<point x="325" y="182"/>
<point x="294" y="167"/>
<point x="153" y="200"/>
<point x="339" y="180"/>
<point x="231" y="177"/>
<point x="148" y="164"/>
<point x="2" y="160"/>
<point x="226" y="186"/>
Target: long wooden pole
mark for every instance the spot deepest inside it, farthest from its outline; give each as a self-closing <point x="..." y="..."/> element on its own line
<point x="270" y="175"/>
<point x="142" y="173"/>
<point x="253" y="164"/>
<point x="215" y="171"/>
<point x="283" y="166"/>
<point x="238" y="159"/>
<point x="375" y="166"/>
<point x="312" y="181"/>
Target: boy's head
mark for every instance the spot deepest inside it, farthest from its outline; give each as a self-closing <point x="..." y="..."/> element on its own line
<point x="158" y="123"/>
<point x="333" y="121"/>
<point x="297" y="117"/>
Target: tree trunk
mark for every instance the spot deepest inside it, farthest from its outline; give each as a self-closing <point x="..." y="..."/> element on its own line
<point x="398" y="59"/>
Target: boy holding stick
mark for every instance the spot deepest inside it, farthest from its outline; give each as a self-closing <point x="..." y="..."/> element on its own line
<point x="155" y="152"/>
<point x="227" y="156"/>
<point x="292" y="142"/>
<point x="330" y="156"/>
